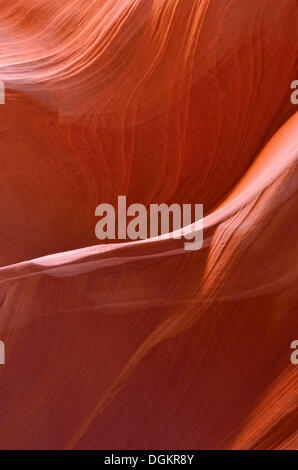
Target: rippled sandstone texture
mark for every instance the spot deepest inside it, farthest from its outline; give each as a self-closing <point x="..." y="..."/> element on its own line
<point x="141" y="344"/>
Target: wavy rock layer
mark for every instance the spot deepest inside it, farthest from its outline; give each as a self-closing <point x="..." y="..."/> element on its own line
<point x="142" y="344"/>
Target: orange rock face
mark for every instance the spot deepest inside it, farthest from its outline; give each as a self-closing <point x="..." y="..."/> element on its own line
<point x="143" y="345"/>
